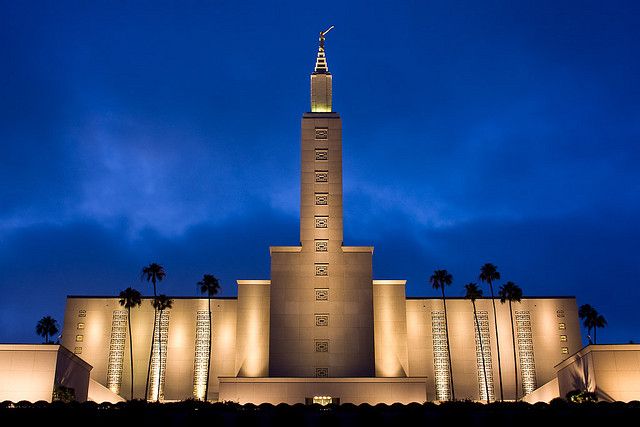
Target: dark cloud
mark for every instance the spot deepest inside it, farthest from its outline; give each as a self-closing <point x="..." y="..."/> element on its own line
<point x="138" y="132"/>
<point x="42" y="264"/>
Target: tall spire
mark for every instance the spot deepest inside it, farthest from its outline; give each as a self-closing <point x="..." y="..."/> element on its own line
<point x="321" y="60"/>
<point x="321" y="80"/>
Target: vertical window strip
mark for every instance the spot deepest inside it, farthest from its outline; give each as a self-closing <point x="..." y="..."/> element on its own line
<point x="525" y="351"/>
<point x="201" y="362"/>
<point x="440" y="356"/>
<point x="116" y="350"/>
<point x="160" y="340"/>
<point x="483" y="320"/>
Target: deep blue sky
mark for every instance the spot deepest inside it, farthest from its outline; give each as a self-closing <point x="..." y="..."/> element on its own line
<point x="504" y="132"/>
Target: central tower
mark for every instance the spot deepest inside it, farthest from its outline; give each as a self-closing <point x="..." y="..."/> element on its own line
<point x="321" y="305"/>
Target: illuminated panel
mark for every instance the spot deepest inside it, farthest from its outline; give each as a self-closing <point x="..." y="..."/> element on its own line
<point x="322" y="400"/>
<point x="160" y="343"/>
<point x="116" y="350"/>
<point x="201" y="362"/>
<point x="483" y="320"/>
<point x="525" y="351"/>
<point x="440" y="357"/>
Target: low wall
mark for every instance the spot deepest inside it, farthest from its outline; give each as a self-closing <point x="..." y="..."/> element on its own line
<point x="30" y="371"/>
<point x="611" y="371"/>
<point x="348" y="390"/>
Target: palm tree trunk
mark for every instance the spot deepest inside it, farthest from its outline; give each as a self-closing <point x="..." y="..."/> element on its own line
<point x="484" y="368"/>
<point x="495" y="321"/>
<point x="595" y="334"/>
<point x="153" y="339"/>
<point x="206" y="388"/>
<point x="130" y="348"/>
<point x="446" y="330"/>
<point x="159" y="357"/>
<point x="515" y="359"/>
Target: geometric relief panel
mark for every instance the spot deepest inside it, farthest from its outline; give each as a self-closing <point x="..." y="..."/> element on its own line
<point x="158" y="370"/>
<point x="322" y="154"/>
<point x="322" y="245"/>
<point x="322" y="372"/>
<point x="322" y="199"/>
<point x="116" y="350"/>
<point x="440" y="356"/>
<point x="321" y="221"/>
<point x="201" y="359"/>
<point x="322" y="319"/>
<point x="322" y="346"/>
<point x="322" y="176"/>
<point x="322" y="269"/>
<point x="322" y="294"/>
<point x="525" y="351"/>
<point x="322" y="133"/>
<point x="483" y="356"/>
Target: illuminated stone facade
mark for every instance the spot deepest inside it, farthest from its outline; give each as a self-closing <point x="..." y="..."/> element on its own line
<point x="321" y="326"/>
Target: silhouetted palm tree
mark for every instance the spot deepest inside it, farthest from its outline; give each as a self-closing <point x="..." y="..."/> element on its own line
<point x="473" y="293"/>
<point x="439" y="280"/>
<point x="160" y="304"/>
<point x="512" y="293"/>
<point x="46" y="327"/>
<point x="152" y="273"/>
<point x="587" y="313"/>
<point x="130" y="298"/>
<point x="489" y="273"/>
<point x="598" y="322"/>
<point x="210" y="286"/>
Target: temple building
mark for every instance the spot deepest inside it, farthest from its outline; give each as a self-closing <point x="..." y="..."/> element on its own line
<point x="322" y="327"/>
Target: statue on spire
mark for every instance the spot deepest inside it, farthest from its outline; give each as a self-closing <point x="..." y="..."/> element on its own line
<point x="322" y="34"/>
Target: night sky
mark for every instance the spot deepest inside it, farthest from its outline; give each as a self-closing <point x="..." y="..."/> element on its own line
<point x="138" y="132"/>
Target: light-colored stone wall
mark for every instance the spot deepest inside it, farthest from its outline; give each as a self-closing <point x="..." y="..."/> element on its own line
<point x="546" y="332"/>
<point x="348" y="390"/>
<point x="309" y="187"/>
<point x="611" y="371"/>
<point x="321" y="89"/>
<point x="294" y="308"/>
<point x="30" y="372"/>
<point x="95" y="335"/>
<point x="390" y="328"/>
<point x="252" y="358"/>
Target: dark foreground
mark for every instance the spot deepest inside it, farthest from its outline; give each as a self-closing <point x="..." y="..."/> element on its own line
<point x="200" y="414"/>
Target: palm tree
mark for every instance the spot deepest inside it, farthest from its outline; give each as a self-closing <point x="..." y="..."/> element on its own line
<point x="160" y="304"/>
<point x="210" y="286"/>
<point x="598" y="322"/>
<point x="439" y="280"/>
<point x="489" y="273"/>
<point x="46" y="327"/>
<point x="587" y="313"/>
<point x="130" y="298"/>
<point x="512" y="293"/>
<point x="152" y="273"/>
<point x="473" y="293"/>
